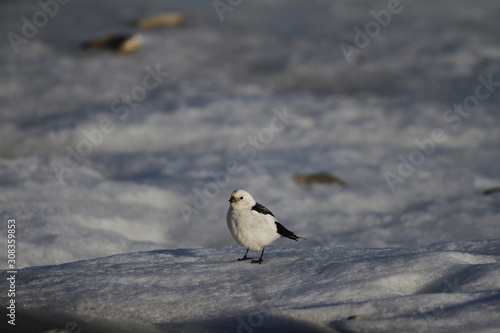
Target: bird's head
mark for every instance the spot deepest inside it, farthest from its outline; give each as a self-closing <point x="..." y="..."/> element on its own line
<point x="241" y="199"/>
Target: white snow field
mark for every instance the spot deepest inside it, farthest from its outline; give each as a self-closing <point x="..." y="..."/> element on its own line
<point x="448" y="287"/>
<point x="117" y="169"/>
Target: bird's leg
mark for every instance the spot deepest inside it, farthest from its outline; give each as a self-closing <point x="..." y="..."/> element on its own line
<point x="245" y="256"/>
<point x="260" y="259"/>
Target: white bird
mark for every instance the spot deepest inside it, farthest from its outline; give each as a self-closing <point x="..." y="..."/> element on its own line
<point x="252" y="225"/>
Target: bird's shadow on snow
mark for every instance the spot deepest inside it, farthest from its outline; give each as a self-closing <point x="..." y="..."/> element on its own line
<point x="244" y="323"/>
<point x="177" y="252"/>
<point x="31" y="322"/>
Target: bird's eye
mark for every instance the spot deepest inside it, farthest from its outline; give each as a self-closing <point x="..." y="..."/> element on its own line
<point x="241" y="198"/>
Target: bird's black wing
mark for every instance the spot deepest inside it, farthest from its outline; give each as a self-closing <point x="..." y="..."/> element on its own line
<point x="261" y="209"/>
<point x="286" y="233"/>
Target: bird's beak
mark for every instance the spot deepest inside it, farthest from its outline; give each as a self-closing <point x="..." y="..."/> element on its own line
<point x="233" y="199"/>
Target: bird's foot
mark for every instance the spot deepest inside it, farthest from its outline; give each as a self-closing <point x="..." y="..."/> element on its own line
<point x="257" y="261"/>
<point x="244" y="258"/>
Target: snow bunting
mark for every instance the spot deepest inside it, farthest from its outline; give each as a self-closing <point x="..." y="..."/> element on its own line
<point x="252" y="225"/>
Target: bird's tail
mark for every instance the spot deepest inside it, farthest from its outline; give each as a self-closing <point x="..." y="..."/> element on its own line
<point x="287" y="233"/>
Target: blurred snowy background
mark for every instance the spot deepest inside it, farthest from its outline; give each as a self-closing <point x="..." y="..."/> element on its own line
<point x="104" y="153"/>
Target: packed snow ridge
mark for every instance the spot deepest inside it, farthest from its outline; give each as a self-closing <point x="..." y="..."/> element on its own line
<point x="447" y="287"/>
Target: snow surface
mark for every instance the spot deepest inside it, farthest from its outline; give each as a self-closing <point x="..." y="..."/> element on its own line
<point x="448" y="287"/>
<point x="248" y="102"/>
<point x="226" y="82"/>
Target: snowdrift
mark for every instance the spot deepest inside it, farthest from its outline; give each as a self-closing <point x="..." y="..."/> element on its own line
<point x="447" y="287"/>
